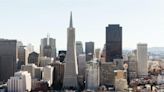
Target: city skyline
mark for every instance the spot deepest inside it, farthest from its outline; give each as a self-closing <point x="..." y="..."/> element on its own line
<point x="30" y="21"/>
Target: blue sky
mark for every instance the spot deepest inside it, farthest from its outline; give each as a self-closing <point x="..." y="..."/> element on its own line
<point x="31" y="20"/>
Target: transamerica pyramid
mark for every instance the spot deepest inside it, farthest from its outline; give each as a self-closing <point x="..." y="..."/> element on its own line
<point x="71" y="67"/>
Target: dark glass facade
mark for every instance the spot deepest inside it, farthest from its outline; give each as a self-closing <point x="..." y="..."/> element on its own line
<point x="113" y="42"/>
<point x="62" y="55"/>
<point x="7" y="59"/>
<point x="33" y="58"/>
<point x="89" y="50"/>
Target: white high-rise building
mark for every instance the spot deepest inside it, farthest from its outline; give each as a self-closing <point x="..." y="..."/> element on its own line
<point x="92" y="75"/>
<point x="36" y="72"/>
<point x="47" y="74"/>
<point x="142" y="58"/>
<point x="71" y="67"/>
<point x="30" y="68"/>
<point x="21" y="82"/>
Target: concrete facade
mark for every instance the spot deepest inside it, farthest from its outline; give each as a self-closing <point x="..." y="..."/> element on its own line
<point x="47" y="74"/>
<point x="142" y="58"/>
<point x="132" y="66"/>
<point x="21" y="82"/>
<point x="30" y="68"/>
<point x="92" y="75"/>
<point x="71" y="67"/>
<point x="58" y="74"/>
<point x="107" y="76"/>
<point x="82" y="68"/>
<point x="48" y="47"/>
<point x="44" y="61"/>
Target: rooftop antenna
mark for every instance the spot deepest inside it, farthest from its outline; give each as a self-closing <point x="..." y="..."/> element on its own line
<point x="48" y="38"/>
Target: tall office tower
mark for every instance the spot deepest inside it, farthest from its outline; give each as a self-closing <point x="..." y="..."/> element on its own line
<point x="92" y="75"/>
<point x="18" y="44"/>
<point x="47" y="51"/>
<point x="142" y="58"/>
<point x="81" y="64"/>
<point x="42" y="46"/>
<point x="132" y="66"/>
<point x="7" y="59"/>
<point x="47" y="74"/>
<point x="103" y="54"/>
<point x="48" y="47"/>
<point x="33" y="58"/>
<point x="79" y="48"/>
<point x="58" y="75"/>
<point x="97" y="53"/>
<point x="89" y="50"/>
<point x="22" y="55"/>
<point x="113" y="42"/>
<point x="52" y="43"/>
<point x="21" y="82"/>
<point x="81" y="68"/>
<point x="71" y="68"/>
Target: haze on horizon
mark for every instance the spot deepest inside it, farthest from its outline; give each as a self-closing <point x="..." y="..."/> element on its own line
<point x="30" y="20"/>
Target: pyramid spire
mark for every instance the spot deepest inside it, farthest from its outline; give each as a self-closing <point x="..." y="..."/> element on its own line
<point x="71" y="22"/>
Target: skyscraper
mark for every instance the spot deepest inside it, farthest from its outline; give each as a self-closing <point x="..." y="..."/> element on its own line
<point x="89" y="50"/>
<point x="97" y="53"/>
<point x="7" y="59"/>
<point x="71" y="68"/>
<point x="113" y="42"/>
<point x="142" y="58"/>
<point x="48" y="47"/>
<point x="79" y="48"/>
<point x="23" y="55"/>
<point x="81" y="70"/>
<point x="58" y="75"/>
